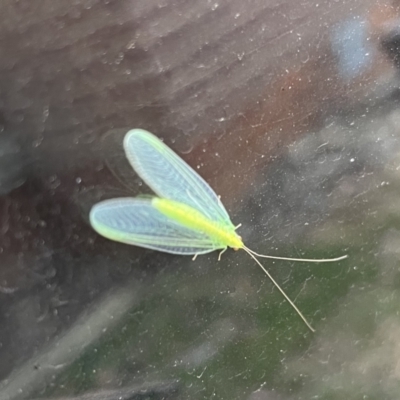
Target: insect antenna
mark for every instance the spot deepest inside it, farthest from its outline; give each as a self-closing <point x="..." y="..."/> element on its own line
<point x="315" y="260"/>
<point x="253" y="256"/>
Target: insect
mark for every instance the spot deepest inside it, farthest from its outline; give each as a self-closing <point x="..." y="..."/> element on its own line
<point x="186" y="217"/>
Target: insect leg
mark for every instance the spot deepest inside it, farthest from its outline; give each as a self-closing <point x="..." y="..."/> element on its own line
<point x="221" y="252"/>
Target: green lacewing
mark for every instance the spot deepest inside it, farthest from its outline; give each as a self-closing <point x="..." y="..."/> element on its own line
<point x="186" y="217"/>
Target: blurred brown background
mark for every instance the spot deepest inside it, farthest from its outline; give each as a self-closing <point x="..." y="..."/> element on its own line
<point x="228" y="84"/>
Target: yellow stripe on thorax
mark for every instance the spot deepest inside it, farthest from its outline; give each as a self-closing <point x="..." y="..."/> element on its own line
<point x="194" y="219"/>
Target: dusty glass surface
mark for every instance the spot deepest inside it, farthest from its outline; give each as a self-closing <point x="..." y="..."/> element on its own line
<point x="290" y="110"/>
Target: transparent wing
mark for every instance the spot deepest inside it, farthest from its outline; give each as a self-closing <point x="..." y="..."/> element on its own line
<point x="135" y="221"/>
<point x="170" y="177"/>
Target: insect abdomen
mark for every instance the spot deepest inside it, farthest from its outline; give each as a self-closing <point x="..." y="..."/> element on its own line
<point x="194" y="219"/>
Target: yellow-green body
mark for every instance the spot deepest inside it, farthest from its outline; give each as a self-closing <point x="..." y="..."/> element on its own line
<point x="194" y="219"/>
<point x="186" y="218"/>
